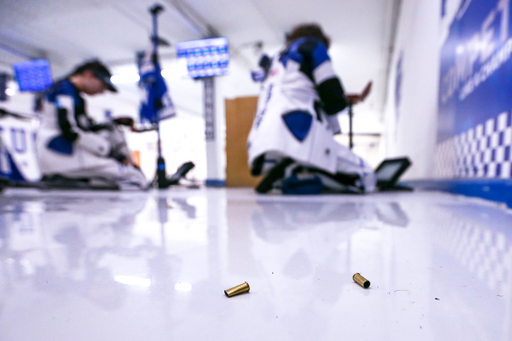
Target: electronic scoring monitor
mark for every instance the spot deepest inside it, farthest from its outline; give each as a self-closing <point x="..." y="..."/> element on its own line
<point x="389" y="171"/>
<point x="33" y="75"/>
<point x="205" y="57"/>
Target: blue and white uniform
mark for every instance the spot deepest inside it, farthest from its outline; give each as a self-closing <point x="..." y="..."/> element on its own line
<point x="296" y="116"/>
<point x="18" y="161"/>
<point x="70" y="144"/>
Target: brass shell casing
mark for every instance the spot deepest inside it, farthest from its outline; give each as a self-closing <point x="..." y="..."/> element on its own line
<point x="361" y="280"/>
<point x="239" y="289"/>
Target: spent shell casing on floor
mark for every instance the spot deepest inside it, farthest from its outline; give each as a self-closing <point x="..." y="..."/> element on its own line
<point x="361" y="280"/>
<point x="239" y="289"/>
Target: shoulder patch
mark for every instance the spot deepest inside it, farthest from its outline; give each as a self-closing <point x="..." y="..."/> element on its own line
<point x="319" y="55"/>
<point x="298" y="123"/>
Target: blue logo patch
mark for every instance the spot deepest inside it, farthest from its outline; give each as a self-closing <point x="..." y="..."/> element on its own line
<point x="299" y="123"/>
<point x="61" y="145"/>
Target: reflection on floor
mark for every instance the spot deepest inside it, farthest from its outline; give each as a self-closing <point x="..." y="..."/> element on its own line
<point x="154" y="266"/>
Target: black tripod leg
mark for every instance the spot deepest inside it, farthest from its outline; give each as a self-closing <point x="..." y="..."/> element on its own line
<point x="275" y="174"/>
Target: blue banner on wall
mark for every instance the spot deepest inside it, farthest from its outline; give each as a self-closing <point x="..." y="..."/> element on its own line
<point x="475" y="93"/>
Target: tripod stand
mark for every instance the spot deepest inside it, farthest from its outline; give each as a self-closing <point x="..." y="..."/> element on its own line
<point x="157" y="105"/>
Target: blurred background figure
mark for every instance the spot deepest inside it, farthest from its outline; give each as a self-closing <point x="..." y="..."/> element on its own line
<point x="293" y="131"/>
<point x="72" y="146"/>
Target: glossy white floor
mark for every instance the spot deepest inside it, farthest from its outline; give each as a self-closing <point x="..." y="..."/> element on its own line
<point x="154" y="266"/>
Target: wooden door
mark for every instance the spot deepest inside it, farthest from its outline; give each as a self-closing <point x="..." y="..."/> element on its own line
<point x="240" y="114"/>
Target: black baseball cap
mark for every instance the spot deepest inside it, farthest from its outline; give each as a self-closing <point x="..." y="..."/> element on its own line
<point x="99" y="70"/>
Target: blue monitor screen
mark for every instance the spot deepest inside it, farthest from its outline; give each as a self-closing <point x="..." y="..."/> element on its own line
<point x="205" y="57"/>
<point x="33" y="75"/>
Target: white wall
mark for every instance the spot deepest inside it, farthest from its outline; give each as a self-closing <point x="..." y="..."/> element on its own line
<point x="21" y="103"/>
<point x="410" y="127"/>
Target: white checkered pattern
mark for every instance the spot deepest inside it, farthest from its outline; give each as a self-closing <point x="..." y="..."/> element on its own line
<point x="480" y="152"/>
<point x="484" y="252"/>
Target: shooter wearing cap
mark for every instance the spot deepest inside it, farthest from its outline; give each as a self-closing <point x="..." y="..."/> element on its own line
<point x="71" y="145"/>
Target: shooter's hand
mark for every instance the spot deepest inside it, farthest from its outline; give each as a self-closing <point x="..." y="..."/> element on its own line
<point x="356" y="98"/>
<point x="127" y="161"/>
<point x="123" y="159"/>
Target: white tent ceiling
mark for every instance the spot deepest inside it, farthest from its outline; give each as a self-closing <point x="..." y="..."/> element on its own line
<point x="66" y="32"/>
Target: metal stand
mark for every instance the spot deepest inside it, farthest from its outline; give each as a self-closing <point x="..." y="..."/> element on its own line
<point x="209" y="108"/>
<point x="350" y="132"/>
<point x="212" y="157"/>
<point x="161" y="174"/>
